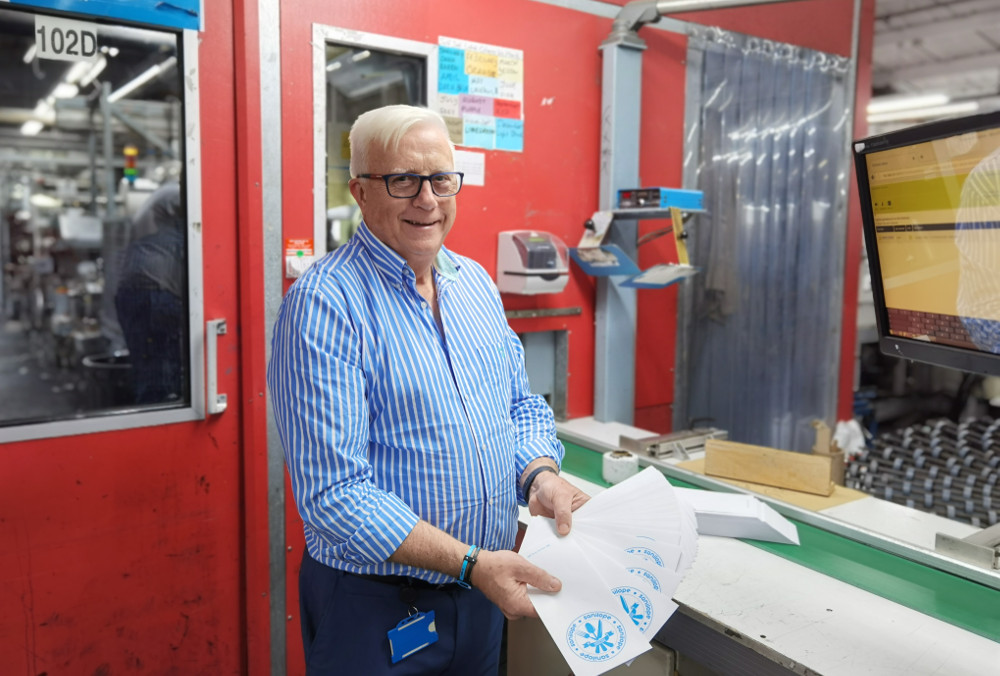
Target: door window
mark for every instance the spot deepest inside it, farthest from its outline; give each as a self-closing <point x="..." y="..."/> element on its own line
<point x="360" y="72"/>
<point x="94" y="224"/>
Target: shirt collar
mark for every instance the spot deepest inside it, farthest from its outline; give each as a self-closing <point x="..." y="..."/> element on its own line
<point x="394" y="267"/>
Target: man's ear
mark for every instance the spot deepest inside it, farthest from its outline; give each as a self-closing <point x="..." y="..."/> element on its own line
<point x="357" y="191"/>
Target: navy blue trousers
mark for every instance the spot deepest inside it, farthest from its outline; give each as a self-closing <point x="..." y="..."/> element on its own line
<point x="345" y="619"/>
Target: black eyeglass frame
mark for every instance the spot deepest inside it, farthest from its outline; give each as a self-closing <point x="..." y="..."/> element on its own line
<point x="386" y="177"/>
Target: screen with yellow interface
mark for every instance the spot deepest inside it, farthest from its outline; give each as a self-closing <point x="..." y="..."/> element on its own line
<point x="936" y="214"/>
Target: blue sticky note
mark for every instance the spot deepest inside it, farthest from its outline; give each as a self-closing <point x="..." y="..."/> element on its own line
<point x="483" y="86"/>
<point x="510" y="134"/>
<point x="479" y="132"/>
<point x="451" y="71"/>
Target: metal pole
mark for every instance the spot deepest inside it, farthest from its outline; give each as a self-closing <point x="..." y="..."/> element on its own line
<point x="109" y="149"/>
<point x="616" y="309"/>
<point x="269" y="19"/>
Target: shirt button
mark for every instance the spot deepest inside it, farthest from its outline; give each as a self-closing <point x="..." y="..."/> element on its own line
<point x="424" y="305"/>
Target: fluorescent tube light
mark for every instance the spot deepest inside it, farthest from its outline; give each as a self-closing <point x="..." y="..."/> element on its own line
<point x="141" y="79"/>
<point x="31" y="127"/>
<point x="926" y="113"/>
<point x="76" y="71"/>
<point x="65" y="90"/>
<point x="888" y="104"/>
<point x="94" y="71"/>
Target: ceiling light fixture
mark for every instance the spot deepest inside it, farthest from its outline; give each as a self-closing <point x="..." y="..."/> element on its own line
<point x="31" y="127"/>
<point x="30" y="54"/>
<point x="918" y="114"/>
<point x="888" y="104"/>
<point x="96" y="69"/>
<point x="65" y="90"/>
<point x="76" y="71"/>
<point x="140" y="80"/>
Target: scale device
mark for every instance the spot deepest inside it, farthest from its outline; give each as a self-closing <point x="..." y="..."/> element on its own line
<point x="660" y="198"/>
<point x="930" y="204"/>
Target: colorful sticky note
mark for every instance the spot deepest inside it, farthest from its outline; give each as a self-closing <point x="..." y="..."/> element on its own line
<point x="482" y="86"/>
<point x="507" y="108"/>
<point x="451" y="71"/>
<point x="510" y="69"/>
<point x="509" y="134"/>
<point x="480" y="63"/>
<point x="456" y="129"/>
<point x="480" y="131"/>
<point x="475" y="105"/>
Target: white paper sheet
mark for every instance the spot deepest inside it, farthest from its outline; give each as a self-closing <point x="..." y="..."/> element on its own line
<point x="738" y="515"/>
<point x="620" y="565"/>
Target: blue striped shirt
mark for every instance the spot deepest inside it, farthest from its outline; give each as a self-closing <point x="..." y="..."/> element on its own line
<point x="386" y="420"/>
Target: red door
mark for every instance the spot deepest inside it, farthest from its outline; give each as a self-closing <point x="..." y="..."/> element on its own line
<point x="132" y="529"/>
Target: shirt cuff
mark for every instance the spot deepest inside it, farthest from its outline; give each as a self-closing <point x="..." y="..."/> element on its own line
<point x="391" y="520"/>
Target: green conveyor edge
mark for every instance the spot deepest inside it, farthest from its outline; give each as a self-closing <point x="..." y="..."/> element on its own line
<point x="947" y="597"/>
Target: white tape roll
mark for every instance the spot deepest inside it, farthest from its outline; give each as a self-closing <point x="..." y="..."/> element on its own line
<point x="619" y="465"/>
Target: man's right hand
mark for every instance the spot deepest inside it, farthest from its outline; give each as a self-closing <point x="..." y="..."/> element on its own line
<point x="503" y="576"/>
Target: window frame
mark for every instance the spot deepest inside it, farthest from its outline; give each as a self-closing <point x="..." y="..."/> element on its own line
<point x="129" y="418"/>
<point x="322" y="35"/>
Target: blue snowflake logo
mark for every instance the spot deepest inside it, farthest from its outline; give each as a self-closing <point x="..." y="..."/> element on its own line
<point x="636" y="605"/>
<point x="596" y="636"/>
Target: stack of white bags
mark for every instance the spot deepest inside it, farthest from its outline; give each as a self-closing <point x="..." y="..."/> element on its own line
<point x="626" y="553"/>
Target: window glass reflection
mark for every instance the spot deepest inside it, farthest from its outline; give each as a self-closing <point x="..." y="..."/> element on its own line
<point x="93" y="227"/>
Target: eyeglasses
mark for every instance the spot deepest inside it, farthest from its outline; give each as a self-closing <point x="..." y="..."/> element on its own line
<point x="405" y="186"/>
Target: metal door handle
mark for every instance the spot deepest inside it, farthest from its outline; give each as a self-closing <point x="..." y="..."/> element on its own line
<point x="215" y="402"/>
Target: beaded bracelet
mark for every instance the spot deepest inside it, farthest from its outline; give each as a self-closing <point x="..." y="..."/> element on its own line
<point x="467" y="564"/>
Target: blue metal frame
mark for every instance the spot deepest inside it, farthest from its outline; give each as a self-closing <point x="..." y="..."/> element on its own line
<point x="168" y="14"/>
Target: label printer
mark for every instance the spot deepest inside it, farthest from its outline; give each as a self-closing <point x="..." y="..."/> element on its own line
<point x="531" y="262"/>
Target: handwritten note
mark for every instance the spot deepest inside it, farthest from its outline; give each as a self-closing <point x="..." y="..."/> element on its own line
<point x="480" y="131"/>
<point x="479" y="63"/>
<point x="509" y="134"/>
<point x="475" y="105"/>
<point x="507" y="108"/>
<point x="481" y="94"/>
<point x="456" y="129"/>
<point x="483" y="86"/>
<point x="452" y="78"/>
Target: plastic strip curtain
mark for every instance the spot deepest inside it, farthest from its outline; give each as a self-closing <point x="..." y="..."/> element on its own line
<point x="764" y="341"/>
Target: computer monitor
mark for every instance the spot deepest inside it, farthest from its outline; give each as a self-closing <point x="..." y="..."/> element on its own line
<point x="930" y="204"/>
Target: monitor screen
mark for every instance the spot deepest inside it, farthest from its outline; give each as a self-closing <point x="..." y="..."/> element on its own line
<point x="930" y="204"/>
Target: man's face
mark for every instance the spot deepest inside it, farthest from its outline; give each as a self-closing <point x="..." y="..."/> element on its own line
<point x="414" y="228"/>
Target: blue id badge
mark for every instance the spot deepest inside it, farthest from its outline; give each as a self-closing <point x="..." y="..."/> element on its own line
<point x="414" y="633"/>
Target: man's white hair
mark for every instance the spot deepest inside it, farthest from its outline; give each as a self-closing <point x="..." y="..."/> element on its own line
<point x="386" y="127"/>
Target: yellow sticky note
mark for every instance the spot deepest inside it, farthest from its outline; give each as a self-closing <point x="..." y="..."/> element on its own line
<point x="479" y="63"/>
<point x="510" y="69"/>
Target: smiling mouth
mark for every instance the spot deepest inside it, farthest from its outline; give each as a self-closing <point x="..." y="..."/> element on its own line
<point x="420" y="223"/>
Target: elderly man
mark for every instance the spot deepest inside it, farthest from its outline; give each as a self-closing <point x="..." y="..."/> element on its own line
<point x="409" y="429"/>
